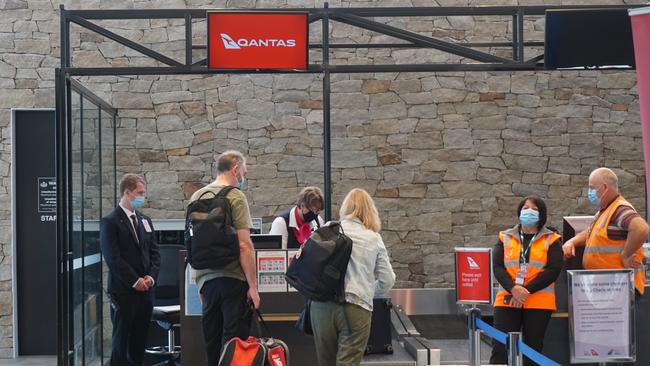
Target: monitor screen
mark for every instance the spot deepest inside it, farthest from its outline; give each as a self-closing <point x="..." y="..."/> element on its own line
<point x="588" y="38"/>
<point x="573" y="225"/>
<point x="266" y="241"/>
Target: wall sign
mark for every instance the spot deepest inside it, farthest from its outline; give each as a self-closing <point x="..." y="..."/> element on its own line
<point x="257" y="40"/>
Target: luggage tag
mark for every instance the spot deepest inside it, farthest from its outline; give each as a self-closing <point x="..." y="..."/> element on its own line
<point x="521" y="274"/>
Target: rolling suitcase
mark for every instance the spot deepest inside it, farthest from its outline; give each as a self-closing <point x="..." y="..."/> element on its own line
<point x="380" y="340"/>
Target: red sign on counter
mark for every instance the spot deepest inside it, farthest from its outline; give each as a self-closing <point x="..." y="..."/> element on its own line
<point x="473" y="275"/>
<point x="257" y="40"/>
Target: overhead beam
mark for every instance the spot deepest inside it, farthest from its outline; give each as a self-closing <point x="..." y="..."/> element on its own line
<point x="418" y="39"/>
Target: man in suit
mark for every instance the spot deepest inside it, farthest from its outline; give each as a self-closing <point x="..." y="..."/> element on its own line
<point x="131" y="253"/>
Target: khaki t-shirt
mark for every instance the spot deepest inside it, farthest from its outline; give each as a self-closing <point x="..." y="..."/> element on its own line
<point x="241" y="220"/>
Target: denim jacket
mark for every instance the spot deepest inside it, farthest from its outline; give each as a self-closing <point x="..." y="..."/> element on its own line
<point x="369" y="273"/>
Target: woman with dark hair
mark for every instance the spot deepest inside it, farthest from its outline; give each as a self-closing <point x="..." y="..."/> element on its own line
<point x="527" y="260"/>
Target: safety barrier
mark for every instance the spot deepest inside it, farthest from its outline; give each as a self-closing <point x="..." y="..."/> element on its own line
<point x="515" y="347"/>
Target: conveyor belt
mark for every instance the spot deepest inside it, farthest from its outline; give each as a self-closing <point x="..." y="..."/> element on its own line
<point x="400" y="357"/>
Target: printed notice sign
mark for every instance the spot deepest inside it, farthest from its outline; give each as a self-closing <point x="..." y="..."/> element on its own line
<point x="600" y="315"/>
<point x="47" y="194"/>
<point x="271" y="267"/>
<point x="473" y="275"/>
<point x="193" y="304"/>
<point x="291" y="254"/>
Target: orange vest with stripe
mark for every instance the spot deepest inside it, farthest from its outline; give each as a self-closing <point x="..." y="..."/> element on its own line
<point x="602" y="252"/>
<point x="539" y="245"/>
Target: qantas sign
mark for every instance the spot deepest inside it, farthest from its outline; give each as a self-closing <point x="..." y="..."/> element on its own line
<point x="257" y="40"/>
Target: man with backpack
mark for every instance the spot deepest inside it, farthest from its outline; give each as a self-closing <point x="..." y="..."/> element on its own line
<point x="221" y="251"/>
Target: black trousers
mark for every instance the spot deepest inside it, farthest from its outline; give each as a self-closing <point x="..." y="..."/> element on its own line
<point x="225" y="314"/>
<point x="130" y="314"/>
<point x="531" y="322"/>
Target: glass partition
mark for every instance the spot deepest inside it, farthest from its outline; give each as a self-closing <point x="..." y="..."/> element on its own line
<point x="92" y="170"/>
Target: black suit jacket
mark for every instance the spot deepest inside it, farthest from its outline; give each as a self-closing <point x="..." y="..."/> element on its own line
<point x="127" y="259"/>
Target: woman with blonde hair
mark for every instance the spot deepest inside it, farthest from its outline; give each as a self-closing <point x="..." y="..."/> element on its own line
<point x="341" y="330"/>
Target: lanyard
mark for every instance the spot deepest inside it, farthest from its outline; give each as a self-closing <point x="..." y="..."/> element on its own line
<point x="524" y="253"/>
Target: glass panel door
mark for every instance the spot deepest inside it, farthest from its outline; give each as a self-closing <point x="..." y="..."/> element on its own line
<point x="92" y="186"/>
<point x="91" y="261"/>
<point x="109" y="201"/>
<point x="75" y="279"/>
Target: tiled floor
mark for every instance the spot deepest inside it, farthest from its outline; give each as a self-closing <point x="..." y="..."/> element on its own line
<point x="30" y="361"/>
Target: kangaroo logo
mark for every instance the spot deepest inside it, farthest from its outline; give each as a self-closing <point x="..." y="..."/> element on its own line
<point x="229" y="43"/>
<point x="472" y="263"/>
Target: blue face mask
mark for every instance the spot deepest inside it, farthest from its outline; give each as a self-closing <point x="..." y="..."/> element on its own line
<point x="529" y="217"/>
<point x="593" y="197"/>
<point x="241" y="184"/>
<point x="137" y="202"/>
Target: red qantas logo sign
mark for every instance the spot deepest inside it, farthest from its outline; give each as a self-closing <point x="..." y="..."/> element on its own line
<point x="257" y="40"/>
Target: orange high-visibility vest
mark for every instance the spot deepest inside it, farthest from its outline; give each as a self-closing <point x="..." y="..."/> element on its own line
<point x="544" y="298"/>
<point x="602" y="252"/>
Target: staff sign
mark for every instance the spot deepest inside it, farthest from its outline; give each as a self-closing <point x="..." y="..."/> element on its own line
<point x="257" y="40"/>
<point x="473" y="275"/>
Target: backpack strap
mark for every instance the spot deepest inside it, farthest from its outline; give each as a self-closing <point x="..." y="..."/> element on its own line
<point x="222" y="193"/>
<point x="225" y="190"/>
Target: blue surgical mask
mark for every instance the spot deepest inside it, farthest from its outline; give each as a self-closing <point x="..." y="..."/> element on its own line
<point x="593" y="197"/>
<point x="241" y="184"/>
<point x="137" y="202"/>
<point x="529" y="217"/>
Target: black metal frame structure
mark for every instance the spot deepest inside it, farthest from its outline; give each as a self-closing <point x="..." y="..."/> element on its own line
<point x="472" y="59"/>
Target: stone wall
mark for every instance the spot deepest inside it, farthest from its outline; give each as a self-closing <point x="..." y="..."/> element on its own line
<point x="447" y="156"/>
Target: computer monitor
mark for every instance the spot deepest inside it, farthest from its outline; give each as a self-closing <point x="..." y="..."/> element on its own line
<point x="572" y="225"/>
<point x="588" y="38"/>
<point x="267" y="241"/>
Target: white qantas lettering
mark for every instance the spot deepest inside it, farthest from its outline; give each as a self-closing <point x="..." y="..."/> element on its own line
<point x="230" y="44"/>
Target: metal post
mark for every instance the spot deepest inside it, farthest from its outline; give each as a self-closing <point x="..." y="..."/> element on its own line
<point x="170" y="340"/>
<point x="474" y="336"/>
<point x="327" y="160"/>
<point x="520" y="31"/>
<point x="515" y="358"/>
<point x="188" y="39"/>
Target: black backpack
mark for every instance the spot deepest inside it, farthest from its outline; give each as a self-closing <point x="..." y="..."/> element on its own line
<point x="318" y="268"/>
<point x="210" y="237"/>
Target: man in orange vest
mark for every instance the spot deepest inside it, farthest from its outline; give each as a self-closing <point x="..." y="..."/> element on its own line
<point x="615" y="238"/>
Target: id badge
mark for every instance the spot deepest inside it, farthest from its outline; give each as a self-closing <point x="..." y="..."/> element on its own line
<point x="521" y="274"/>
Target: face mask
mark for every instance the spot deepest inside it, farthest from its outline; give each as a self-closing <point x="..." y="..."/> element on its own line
<point x="241" y="184"/>
<point x="310" y="216"/>
<point x="529" y="217"/>
<point x="137" y="202"/>
<point x="593" y="197"/>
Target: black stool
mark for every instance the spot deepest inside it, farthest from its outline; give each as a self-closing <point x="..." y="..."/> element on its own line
<point x="166" y="311"/>
<point x="168" y="318"/>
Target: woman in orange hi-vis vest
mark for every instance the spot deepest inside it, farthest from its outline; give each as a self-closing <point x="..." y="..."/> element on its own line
<point x="527" y="260"/>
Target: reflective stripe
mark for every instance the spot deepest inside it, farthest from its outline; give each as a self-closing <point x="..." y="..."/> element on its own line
<point x="604" y="249"/>
<point x="548" y="241"/>
<point x="537" y="264"/>
<point x="512" y="263"/>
